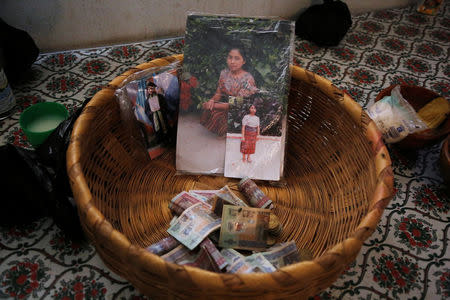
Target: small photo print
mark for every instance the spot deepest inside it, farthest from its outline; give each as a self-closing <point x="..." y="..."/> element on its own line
<point x="232" y="67"/>
<point x="154" y="101"/>
<point x="250" y="154"/>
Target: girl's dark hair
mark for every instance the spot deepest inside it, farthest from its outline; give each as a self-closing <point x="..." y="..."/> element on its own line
<point x="241" y="50"/>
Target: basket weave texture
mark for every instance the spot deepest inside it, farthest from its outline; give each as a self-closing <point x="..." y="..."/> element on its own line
<point x="338" y="174"/>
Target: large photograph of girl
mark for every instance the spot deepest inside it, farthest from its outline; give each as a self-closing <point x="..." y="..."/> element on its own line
<point x="233" y="97"/>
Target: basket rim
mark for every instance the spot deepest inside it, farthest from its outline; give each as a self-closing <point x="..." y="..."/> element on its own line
<point x="339" y="255"/>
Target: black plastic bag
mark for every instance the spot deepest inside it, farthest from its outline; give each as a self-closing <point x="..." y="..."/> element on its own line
<point x="26" y="186"/>
<point x="52" y="154"/>
<point x="324" y="24"/>
<point x="39" y="179"/>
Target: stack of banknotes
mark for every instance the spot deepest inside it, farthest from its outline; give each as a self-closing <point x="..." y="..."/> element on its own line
<point x="208" y="220"/>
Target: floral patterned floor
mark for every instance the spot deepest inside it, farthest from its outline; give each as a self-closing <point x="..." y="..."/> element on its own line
<point x="408" y="257"/>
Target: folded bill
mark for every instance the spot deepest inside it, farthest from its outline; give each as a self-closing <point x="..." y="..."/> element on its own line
<point x="183" y="200"/>
<point x="194" y="225"/>
<point x="244" y="228"/>
<point x="236" y="261"/>
<point x="222" y="197"/>
<point x="205" y="193"/>
<point x="202" y="198"/>
<point x="230" y="255"/>
<point x="254" y="194"/>
<point x="259" y="263"/>
<point x="216" y="257"/>
<point x="283" y="254"/>
<point x="163" y="246"/>
<point x="202" y="261"/>
<point x="227" y="194"/>
<point x="178" y="254"/>
<point x="240" y="266"/>
<point x="181" y="255"/>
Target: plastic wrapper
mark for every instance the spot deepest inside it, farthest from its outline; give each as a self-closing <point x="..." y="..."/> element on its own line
<point x="233" y="101"/>
<point x="395" y="117"/>
<point x="149" y="107"/>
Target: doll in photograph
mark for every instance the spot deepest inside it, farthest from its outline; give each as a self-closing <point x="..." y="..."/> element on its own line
<point x="154" y="109"/>
<point x="139" y="109"/>
<point x="233" y="81"/>
<point x="250" y="133"/>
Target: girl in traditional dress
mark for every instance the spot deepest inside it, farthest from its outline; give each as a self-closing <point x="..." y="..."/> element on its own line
<point x="250" y="133"/>
<point x="233" y="81"/>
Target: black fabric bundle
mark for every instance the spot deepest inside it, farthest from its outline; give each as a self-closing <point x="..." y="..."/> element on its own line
<point x="324" y="24"/>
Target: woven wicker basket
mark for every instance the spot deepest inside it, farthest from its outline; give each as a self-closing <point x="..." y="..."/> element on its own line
<point x="339" y="180"/>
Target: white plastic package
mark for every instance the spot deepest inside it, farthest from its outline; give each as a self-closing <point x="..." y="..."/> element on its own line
<point x="395" y="117"/>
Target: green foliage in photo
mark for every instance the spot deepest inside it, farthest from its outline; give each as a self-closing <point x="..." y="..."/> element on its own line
<point x="267" y="44"/>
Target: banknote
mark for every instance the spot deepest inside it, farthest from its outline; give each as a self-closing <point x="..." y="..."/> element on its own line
<point x="255" y="262"/>
<point x="240" y="266"/>
<point x="230" y="255"/>
<point x="163" y="246"/>
<point x="178" y="254"/>
<point x="236" y="261"/>
<point x="259" y="263"/>
<point x="205" y="193"/>
<point x="282" y="255"/>
<point x="225" y="196"/>
<point x="182" y="201"/>
<point x="181" y="255"/>
<point x="216" y="257"/>
<point x="304" y="253"/>
<point x="244" y="227"/>
<point x="194" y="224"/>
<point x="254" y="194"/>
<point x="202" y="198"/>
<point x="174" y="219"/>
<point x="202" y="260"/>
